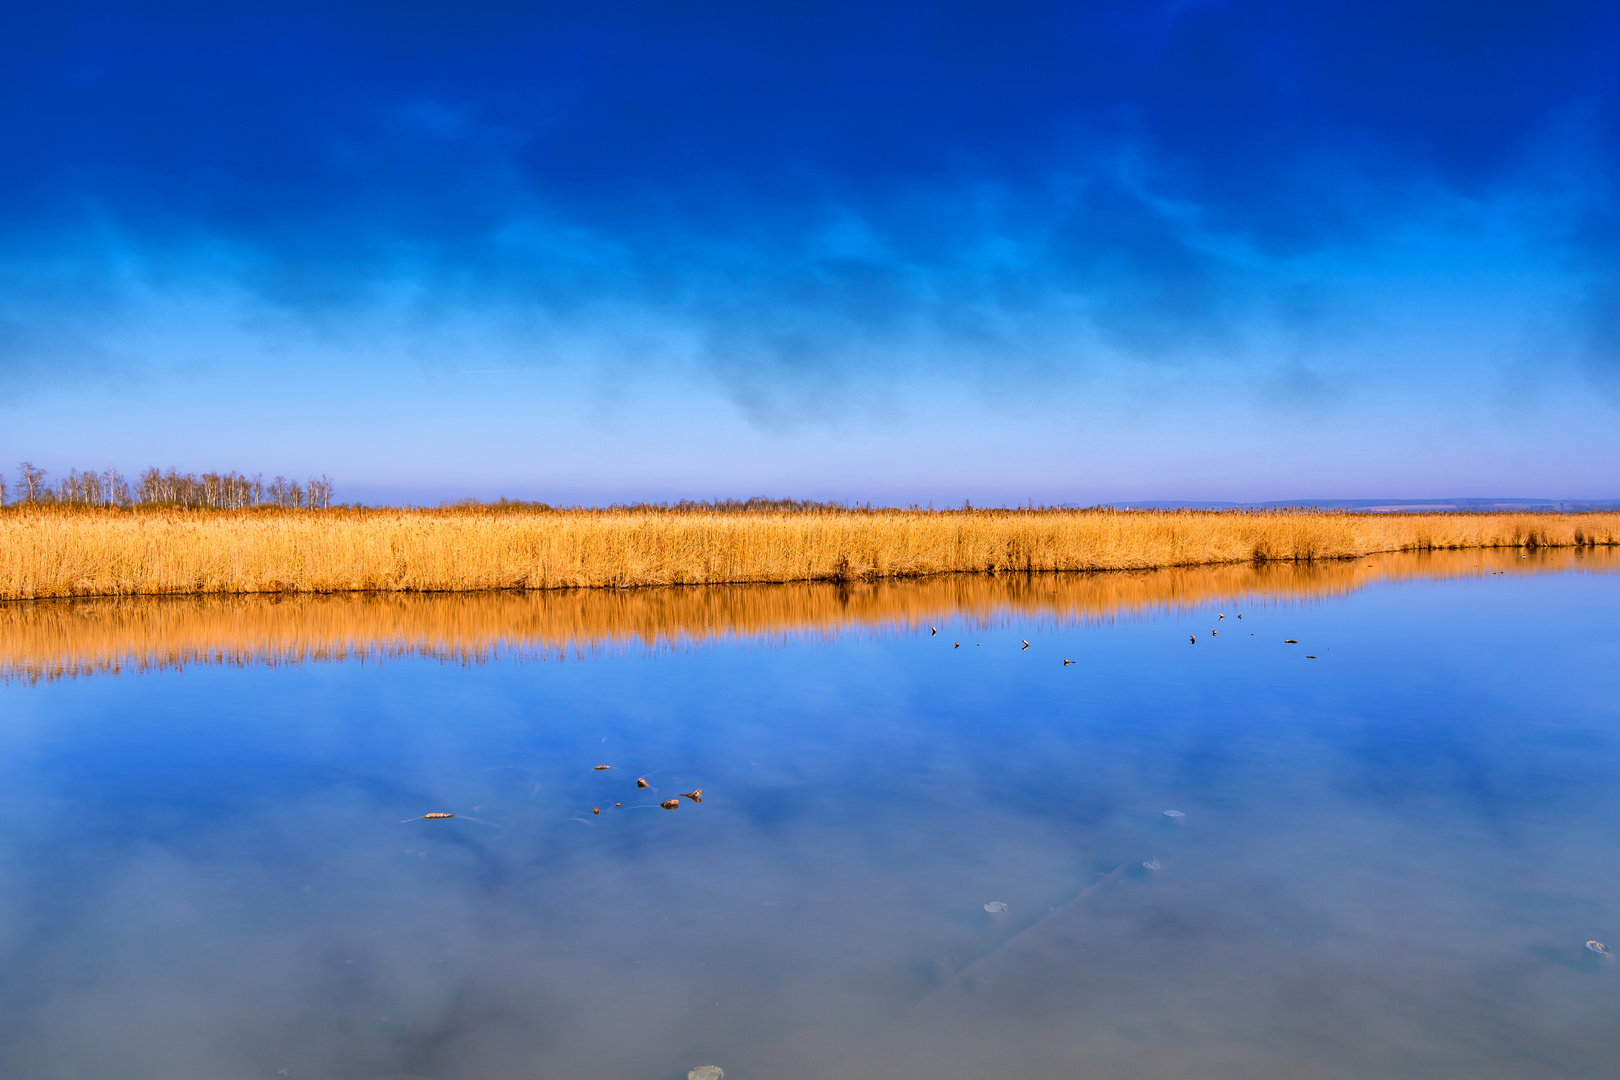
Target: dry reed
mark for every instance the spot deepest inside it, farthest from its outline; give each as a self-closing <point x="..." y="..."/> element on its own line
<point x="62" y="552"/>
<point x="53" y="639"/>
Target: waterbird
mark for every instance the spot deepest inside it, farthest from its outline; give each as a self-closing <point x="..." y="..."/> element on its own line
<point x="1218" y="618"/>
<point x="1214" y="633"/>
<point x="641" y="781"/>
<point x="933" y="631"/>
<point x="956" y="644"/>
<point x="1309" y="657"/>
<point x="696" y="794"/>
<point x="670" y="804"/>
<point x="1192" y="639"/>
<point x="1240" y="616"/>
<point x="1290" y="641"/>
<point x="1066" y="663"/>
<point x="596" y="809"/>
<point x="436" y="815"/>
<point x="1026" y="644"/>
<point x="599" y="768"/>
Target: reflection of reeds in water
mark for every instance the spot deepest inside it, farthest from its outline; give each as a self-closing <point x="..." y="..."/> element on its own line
<point x="55" y="552"/>
<point x="52" y="639"/>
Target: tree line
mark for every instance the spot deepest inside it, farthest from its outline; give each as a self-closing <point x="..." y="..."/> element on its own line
<point x="154" y="487"/>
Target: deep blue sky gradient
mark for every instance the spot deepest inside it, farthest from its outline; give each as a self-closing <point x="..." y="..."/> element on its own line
<point x="886" y="250"/>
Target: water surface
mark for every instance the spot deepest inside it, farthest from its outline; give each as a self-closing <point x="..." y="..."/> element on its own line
<point x="1388" y="861"/>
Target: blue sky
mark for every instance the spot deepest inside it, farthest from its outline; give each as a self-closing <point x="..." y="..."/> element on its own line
<point x="888" y="251"/>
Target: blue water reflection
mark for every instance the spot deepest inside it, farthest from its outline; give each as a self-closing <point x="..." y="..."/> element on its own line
<point x="1390" y="858"/>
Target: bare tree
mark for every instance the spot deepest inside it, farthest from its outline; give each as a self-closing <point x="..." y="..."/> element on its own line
<point x="147" y="490"/>
<point x="32" y="482"/>
<point x="117" y="488"/>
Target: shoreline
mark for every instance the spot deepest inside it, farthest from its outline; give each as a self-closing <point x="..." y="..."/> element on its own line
<point x="521" y="590"/>
<point x="55" y="553"/>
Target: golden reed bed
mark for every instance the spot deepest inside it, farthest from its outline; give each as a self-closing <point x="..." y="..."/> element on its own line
<point x="59" y="552"/>
<point x="51" y="639"/>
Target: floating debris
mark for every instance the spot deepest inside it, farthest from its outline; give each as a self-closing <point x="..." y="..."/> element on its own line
<point x="696" y="794"/>
<point x="1174" y="814"/>
<point x="599" y="768"/>
<point x="1026" y="644"/>
<point x="707" y="1072"/>
<point x="670" y="804"/>
<point x="1153" y="864"/>
<point x="1598" y="947"/>
<point x="437" y="815"/>
<point x="641" y="781"/>
<point x="996" y="907"/>
<point x="1290" y="641"/>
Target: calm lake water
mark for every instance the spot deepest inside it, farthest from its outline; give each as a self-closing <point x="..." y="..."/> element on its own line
<point x="1384" y="861"/>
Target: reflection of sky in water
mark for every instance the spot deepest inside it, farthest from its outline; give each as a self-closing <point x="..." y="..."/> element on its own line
<point x="1390" y="861"/>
